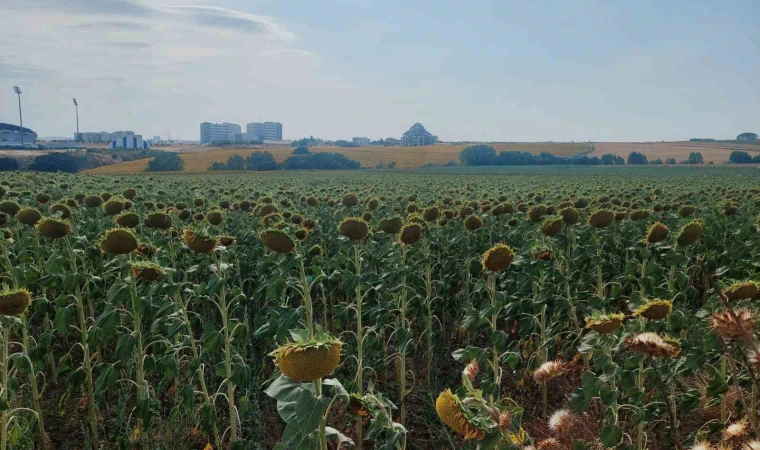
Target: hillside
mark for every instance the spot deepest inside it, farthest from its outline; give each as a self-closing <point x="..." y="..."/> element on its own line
<point x="404" y="157"/>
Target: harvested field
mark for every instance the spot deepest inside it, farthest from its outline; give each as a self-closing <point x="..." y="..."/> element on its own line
<point x="711" y="151"/>
<point x="404" y="157"/>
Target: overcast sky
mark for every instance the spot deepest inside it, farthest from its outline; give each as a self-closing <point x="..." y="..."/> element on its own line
<point x="468" y="70"/>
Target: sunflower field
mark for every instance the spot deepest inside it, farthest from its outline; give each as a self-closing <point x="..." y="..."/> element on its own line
<point x="304" y="311"/>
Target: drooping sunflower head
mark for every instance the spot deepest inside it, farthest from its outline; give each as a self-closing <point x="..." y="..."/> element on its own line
<point x="350" y="200"/>
<point x="549" y="370"/>
<point x="392" y="225"/>
<point x="310" y="360"/>
<point x="452" y="413"/>
<point x="690" y="233"/>
<point x="113" y="207"/>
<point x="198" y="242"/>
<point x="431" y="214"/>
<point x="60" y="210"/>
<point x="736" y="432"/>
<point x="160" y="221"/>
<point x="651" y="344"/>
<point x="536" y="213"/>
<point x="411" y="233"/>
<point x="569" y="215"/>
<point x="128" y="220"/>
<point x="93" y="201"/>
<point x="655" y="309"/>
<point x="354" y="228"/>
<point x="118" y="241"/>
<point x="601" y="218"/>
<point x="605" y="323"/>
<point x="10" y="207"/>
<point x="498" y="258"/>
<point x="724" y="324"/>
<point x="53" y="228"/>
<point x="658" y="232"/>
<point x="146" y="271"/>
<point x="226" y="240"/>
<point x="472" y="223"/>
<point x="14" y="302"/>
<point x="215" y="217"/>
<point x="553" y="226"/>
<point x="29" y="216"/>
<point x="562" y="422"/>
<point x="743" y="290"/>
<point x="277" y="241"/>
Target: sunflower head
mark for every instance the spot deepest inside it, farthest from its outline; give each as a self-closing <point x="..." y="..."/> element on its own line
<point x="605" y="323"/>
<point x="277" y="241"/>
<point x="118" y="241"/>
<point x="569" y="215"/>
<point x="654" y="309"/>
<point x="10" y="207"/>
<point x="350" y="200"/>
<point x="651" y="344"/>
<point x="743" y="290"/>
<point x="452" y="413"/>
<point x="308" y="359"/>
<point x="128" y="220"/>
<point x="657" y="232"/>
<point x="549" y="370"/>
<point x="113" y="207"/>
<point x="215" y="217"/>
<point x="411" y="233"/>
<point x="724" y="324"/>
<point x="601" y="218"/>
<point x="160" y="221"/>
<point x="14" y="302"/>
<point x="29" y="216"/>
<point x="690" y="233"/>
<point x="473" y="223"/>
<point x="354" y="228"/>
<point x="197" y="242"/>
<point x="431" y="214"/>
<point x="498" y="258"/>
<point x="53" y="228"/>
<point x="553" y="226"/>
<point x="147" y="272"/>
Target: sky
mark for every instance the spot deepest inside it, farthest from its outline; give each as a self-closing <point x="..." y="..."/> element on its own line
<point x="477" y="70"/>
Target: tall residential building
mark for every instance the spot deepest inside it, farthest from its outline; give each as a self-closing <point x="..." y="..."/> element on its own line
<point x="214" y="132"/>
<point x="418" y="136"/>
<point x="264" y="131"/>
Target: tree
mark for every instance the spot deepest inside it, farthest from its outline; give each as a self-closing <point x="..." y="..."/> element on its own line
<point x="747" y="137"/>
<point x="695" y="158"/>
<point x="8" y="164"/>
<point x="262" y="161"/>
<point x="739" y="157"/>
<point x="56" y="162"/>
<point x="612" y="160"/>
<point x="320" y="161"/>
<point x="166" y="162"/>
<point x="235" y="162"/>
<point x="637" y="159"/>
<point x="656" y="162"/>
<point x="670" y="161"/>
<point x="301" y="150"/>
<point x="478" y="155"/>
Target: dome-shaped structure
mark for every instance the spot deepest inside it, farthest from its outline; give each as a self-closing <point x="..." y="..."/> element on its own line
<point x="10" y="135"/>
<point x="418" y="136"/>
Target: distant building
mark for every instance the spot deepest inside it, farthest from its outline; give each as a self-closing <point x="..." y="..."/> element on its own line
<point x="11" y="136"/>
<point x="93" y="136"/>
<point x="216" y="132"/>
<point x="264" y="131"/>
<point x="392" y="142"/>
<point x="418" y="136"/>
<point x="156" y="138"/>
<point x="128" y="139"/>
<point x="361" y="141"/>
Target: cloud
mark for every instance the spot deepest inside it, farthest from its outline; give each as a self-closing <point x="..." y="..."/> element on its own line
<point x="112" y="25"/>
<point x="129" y="45"/>
<point x="114" y="7"/>
<point x="14" y="71"/>
<point x="216" y="17"/>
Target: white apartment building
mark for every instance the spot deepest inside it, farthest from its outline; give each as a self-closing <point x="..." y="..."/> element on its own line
<point x="214" y="132"/>
<point x="264" y="131"/>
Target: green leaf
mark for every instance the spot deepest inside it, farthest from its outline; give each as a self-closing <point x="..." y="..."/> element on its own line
<point x="338" y="390"/>
<point x="611" y="435"/>
<point x="64" y="364"/>
<point x="342" y="438"/>
<point x="125" y="345"/>
<point x="107" y="378"/>
<point x="591" y="385"/>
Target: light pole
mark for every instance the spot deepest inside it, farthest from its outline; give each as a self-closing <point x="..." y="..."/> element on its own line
<point x="76" y="106"/>
<point x="17" y="90"/>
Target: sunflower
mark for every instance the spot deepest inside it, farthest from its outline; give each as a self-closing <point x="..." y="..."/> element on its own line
<point x="411" y="233"/>
<point x="128" y="220"/>
<point x="53" y="228"/>
<point x="657" y="232"/>
<point x="549" y="370"/>
<point x="473" y="223"/>
<point x="654" y="309"/>
<point x="690" y="234"/>
<point x="498" y="258"/>
<point x="308" y="361"/>
<point x="147" y="272"/>
<point x="601" y="218"/>
<point x="197" y="242"/>
<point x="14" y="302"/>
<point x="553" y="226"/>
<point x="723" y="323"/>
<point x="277" y="241"/>
<point x="160" y="221"/>
<point x="118" y="241"/>
<point x="606" y="323"/>
<point x="742" y="290"/>
<point x="29" y="216"/>
<point x="651" y="344"/>
<point x="354" y="228"/>
<point x="452" y="413"/>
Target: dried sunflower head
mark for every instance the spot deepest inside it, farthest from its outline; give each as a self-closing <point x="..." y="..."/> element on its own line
<point x="651" y="344"/>
<point x="724" y="324"/>
<point x="605" y="323"/>
<point x="562" y="423"/>
<point x="549" y="370"/>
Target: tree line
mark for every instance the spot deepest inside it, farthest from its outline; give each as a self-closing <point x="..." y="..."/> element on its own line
<point x="301" y="159"/>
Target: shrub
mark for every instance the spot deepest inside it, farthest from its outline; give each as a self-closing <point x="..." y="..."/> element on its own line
<point x="56" y="162"/>
<point x="301" y="150"/>
<point x="166" y="162"/>
<point x="637" y="159"/>
<point x="8" y="164"/>
<point x="262" y="161"/>
<point x="739" y="157"/>
<point x="320" y="161"/>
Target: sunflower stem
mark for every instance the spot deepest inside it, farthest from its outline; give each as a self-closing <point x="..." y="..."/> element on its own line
<point x="6" y="327"/>
<point x="672" y="414"/>
<point x="359" y="340"/>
